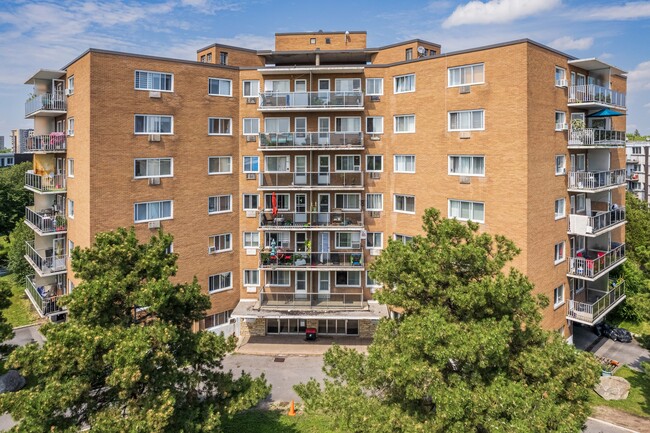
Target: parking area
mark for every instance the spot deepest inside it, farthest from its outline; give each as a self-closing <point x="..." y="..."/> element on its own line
<point x="630" y="354"/>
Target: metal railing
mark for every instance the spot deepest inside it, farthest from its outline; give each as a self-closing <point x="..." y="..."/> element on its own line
<point x="46" y="101"/>
<point x="52" y="142"/>
<point x="283" y="140"/>
<point x="311" y="300"/>
<point x="353" y="179"/>
<point x="596" y="262"/>
<point x="596" y="137"/>
<point x="45" y="183"/>
<point x="46" y="220"/>
<point x="593" y="180"/>
<point x="289" y="220"/>
<point x="300" y="259"/>
<point x="590" y="312"/>
<point x="596" y="94"/>
<point x="311" y="100"/>
<point x="45" y="302"/>
<point x="46" y="261"/>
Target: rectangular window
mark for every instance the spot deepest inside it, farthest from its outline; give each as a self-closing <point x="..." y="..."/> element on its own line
<point x="405" y="83"/>
<point x="347" y="85"/>
<point x="348" y="201"/>
<point x="404" y="124"/>
<point x="347" y="124"/>
<point x="466" y="165"/>
<point x="636" y="150"/>
<point x="217" y="319"/>
<point x="251" y="88"/>
<point x="277" y="124"/>
<point x="469" y="120"/>
<point x="560" y="121"/>
<point x="404" y="203"/>
<point x="348" y="163"/>
<point x="560" y="208"/>
<point x="374" y="240"/>
<point x="71" y="126"/>
<point x="251" y="201"/>
<point x="559" y="252"/>
<point x="251" y="164"/>
<point x="71" y="208"/>
<point x="70" y="246"/>
<point x="223" y="58"/>
<point x="70" y="167"/>
<point x="251" y="277"/>
<point x="466" y="75"/>
<point x="158" y="81"/>
<point x="347" y="240"/>
<point x="404" y="164"/>
<point x="374" y="163"/>
<point x="374" y="86"/>
<point x="560" y="164"/>
<point x="558" y="296"/>
<point x="220" y="243"/>
<point x="219" y="126"/>
<point x="71" y="85"/>
<point x="467" y="210"/>
<point x="278" y="278"/>
<point x="251" y="240"/>
<point x="281" y="199"/>
<point x="152" y="167"/>
<point x="560" y="76"/>
<point x="370" y="282"/>
<point x="580" y="202"/>
<point x="348" y="279"/>
<point x="219" y="204"/>
<point x="219" y="164"/>
<point x="153" y="124"/>
<point x="220" y="282"/>
<point x="408" y="54"/>
<point x="581" y="164"/>
<point x="375" y="124"/>
<point x="251" y="126"/>
<point x="281" y="239"/>
<point x="276" y="164"/>
<point x="277" y="86"/>
<point x="209" y="58"/>
<point x="402" y="238"/>
<point x="375" y="201"/>
<point x="219" y="87"/>
<point x="153" y="211"/>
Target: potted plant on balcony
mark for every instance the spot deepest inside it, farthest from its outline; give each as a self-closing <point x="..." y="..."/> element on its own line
<point x="577" y="124"/>
<point x="60" y="222"/>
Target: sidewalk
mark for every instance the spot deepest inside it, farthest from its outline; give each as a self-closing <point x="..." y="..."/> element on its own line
<point x="275" y="345"/>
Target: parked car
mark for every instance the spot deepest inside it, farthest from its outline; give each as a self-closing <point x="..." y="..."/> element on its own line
<point x="616" y="334"/>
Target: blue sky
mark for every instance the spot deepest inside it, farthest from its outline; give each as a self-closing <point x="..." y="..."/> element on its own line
<point x="48" y="34"/>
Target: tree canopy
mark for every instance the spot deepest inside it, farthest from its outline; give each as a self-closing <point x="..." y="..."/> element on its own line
<point x="13" y="196"/>
<point x="17" y="249"/>
<point x="127" y="359"/>
<point x="468" y="355"/>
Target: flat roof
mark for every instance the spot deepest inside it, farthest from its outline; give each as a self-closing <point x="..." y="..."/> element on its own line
<point x="249" y="309"/>
<point x="594" y="64"/>
<point x="45" y="74"/>
<point x="321" y="32"/>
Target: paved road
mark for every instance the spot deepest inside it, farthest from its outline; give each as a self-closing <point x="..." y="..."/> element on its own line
<point x="26" y="335"/>
<point x="598" y="426"/>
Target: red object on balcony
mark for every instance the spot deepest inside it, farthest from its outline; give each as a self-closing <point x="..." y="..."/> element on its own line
<point x="274" y="204"/>
<point x="310" y="334"/>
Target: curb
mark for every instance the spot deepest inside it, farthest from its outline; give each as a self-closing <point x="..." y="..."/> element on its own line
<point x="27" y="326"/>
<point x="613" y="425"/>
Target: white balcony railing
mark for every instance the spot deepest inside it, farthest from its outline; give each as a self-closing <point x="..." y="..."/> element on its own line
<point x="302" y="220"/>
<point x="45" y="220"/>
<point x="342" y="180"/>
<point x="47" y="261"/>
<point x="45" y="299"/>
<point x="295" y="300"/>
<point x="590" y="312"/>
<point x="599" y="221"/>
<point x="591" y="93"/>
<point x="596" y="137"/>
<point x="595" y="263"/>
<point x="53" y="142"/>
<point x="45" y="183"/>
<point x="300" y="259"/>
<point x="307" y="100"/>
<point x="284" y="140"/>
<point x="595" y="180"/>
<point x="46" y="102"/>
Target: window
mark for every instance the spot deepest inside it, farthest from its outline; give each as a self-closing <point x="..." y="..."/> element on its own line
<point x="276" y="124"/>
<point x="219" y="164"/>
<point x="71" y="208"/>
<point x="220" y="243"/>
<point x="402" y="238"/>
<point x="251" y="240"/>
<point x="405" y="83"/>
<point x="560" y="76"/>
<point x="208" y="58"/>
<point x="251" y="277"/>
<point x="328" y="40"/>
<point x="558" y="296"/>
<point x="467" y="210"/>
<point x="347" y="240"/>
<point x="348" y="279"/>
<point x="152" y="167"/>
<point x="203" y="59"/>
<point x="251" y="201"/>
<point x="374" y="86"/>
<point x="404" y="203"/>
<point x="559" y="252"/>
<point x="580" y="202"/>
<point x="153" y="211"/>
<point x="347" y="85"/>
<point x="404" y="164"/>
<point x="312" y="41"/>
<point x="374" y="240"/>
<point x="219" y="87"/>
<point x="560" y="121"/>
<point x="70" y="247"/>
<point x="347" y="201"/>
<point x="219" y="126"/>
<point x="223" y="58"/>
<point x="219" y="204"/>
<point x="404" y="124"/>
<point x="71" y="126"/>
<point x="636" y="150"/>
<point x="347" y="124"/>
<point x="220" y="282"/>
<point x="348" y="162"/>
<point x="466" y="75"/>
<point x="580" y="162"/>
<point x="560" y="208"/>
<point x="375" y="201"/>
<point x="71" y="85"/>
<point x="281" y="239"/>
<point x="153" y="124"/>
<point x="251" y="164"/>
<point x="275" y="164"/>
<point x="159" y="81"/>
<point x="278" y="278"/>
<point x="70" y="167"/>
<point x="251" y="126"/>
<point x="217" y="319"/>
<point x="409" y="53"/>
<point x="370" y="282"/>
<point x="469" y="120"/>
<point x="374" y="162"/>
<point x="276" y="86"/>
<point x="466" y="165"/>
<point x="251" y="88"/>
<point x="560" y="164"/>
<point x="282" y="200"/>
<point x="375" y="125"/>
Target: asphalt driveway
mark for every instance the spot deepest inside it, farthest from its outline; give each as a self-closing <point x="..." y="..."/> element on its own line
<point x="630" y="354"/>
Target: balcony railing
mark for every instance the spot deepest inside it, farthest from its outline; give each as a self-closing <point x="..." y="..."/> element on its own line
<point x="299" y="259"/>
<point x="311" y="100"/>
<point x="285" y="140"/>
<point x="45" y="261"/>
<point x="595" y="263"/>
<point x="595" y="180"/>
<point x="590" y="312"/>
<point x="45" y="183"/>
<point x="302" y="220"/>
<point x="600" y="220"/>
<point x="596" y="137"/>
<point x="45" y="220"/>
<point x="46" y="102"/>
<point x="53" y="142"/>
<point x="337" y="180"/>
<point x="45" y="299"/>
<point x="591" y="93"/>
<point x="294" y="300"/>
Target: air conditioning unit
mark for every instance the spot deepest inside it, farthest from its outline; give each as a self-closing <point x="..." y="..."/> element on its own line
<point x="70" y="132"/>
<point x="562" y="83"/>
<point x="561" y="126"/>
<point x="251" y="138"/>
<point x="154" y="224"/>
<point x="464" y="89"/>
<point x="154" y="137"/>
<point x="375" y="175"/>
<point x="375" y="251"/>
<point x="251" y="100"/>
<point x="251" y="251"/>
<point x="212" y="250"/>
<point x="465" y="134"/>
<point x="153" y="94"/>
<point x="375" y="98"/>
<point x="251" y="176"/>
<point x="154" y="181"/>
<point x="374" y="138"/>
<point x="562" y="171"/>
<point x="251" y="213"/>
<point x="465" y="180"/>
<point x="363" y="234"/>
<point x="374" y="214"/>
<point x="69" y="92"/>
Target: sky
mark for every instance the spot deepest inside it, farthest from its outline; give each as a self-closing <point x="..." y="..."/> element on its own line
<point x="49" y="34"/>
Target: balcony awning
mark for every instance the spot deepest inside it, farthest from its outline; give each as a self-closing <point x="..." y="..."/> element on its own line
<point x="606" y="112"/>
<point x="593" y="64"/>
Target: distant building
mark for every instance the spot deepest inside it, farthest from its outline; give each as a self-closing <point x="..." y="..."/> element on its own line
<point x="9" y="159"/>
<point x="2" y="142"/>
<point x="19" y="139"/>
<point x="637" y="159"/>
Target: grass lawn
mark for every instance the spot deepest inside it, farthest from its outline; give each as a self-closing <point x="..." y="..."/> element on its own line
<point x="638" y="402"/>
<point x="639" y="328"/>
<point x="261" y="421"/>
<point x="21" y="311"/>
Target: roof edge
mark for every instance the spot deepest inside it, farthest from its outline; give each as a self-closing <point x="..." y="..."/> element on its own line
<point x="321" y="32"/>
<point x="410" y="41"/>
<point x="217" y="44"/>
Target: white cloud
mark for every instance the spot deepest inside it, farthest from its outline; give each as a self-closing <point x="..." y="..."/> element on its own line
<point x="639" y="78"/>
<point x="567" y="43"/>
<point x="497" y="11"/>
<point x="627" y="11"/>
<point x="605" y="56"/>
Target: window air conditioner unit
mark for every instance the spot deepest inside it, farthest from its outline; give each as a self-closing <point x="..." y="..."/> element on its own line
<point x="465" y="134"/>
<point x="212" y="250"/>
<point x="375" y="175"/>
<point x="464" y="89"/>
<point x="250" y="138"/>
<point x="154" y="137"/>
<point x="154" y="224"/>
<point x="562" y="83"/>
<point x="465" y="180"/>
<point x="374" y="138"/>
<point x="154" y="94"/>
<point x="375" y="251"/>
<point x="68" y="92"/>
<point x="70" y="131"/>
<point x="251" y="213"/>
<point x="375" y="98"/>
<point x="251" y="251"/>
<point x="154" y="181"/>
<point x="561" y="126"/>
<point x="251" y="176"/>
<point x="251" y="101"/>
<point x="374" y="214"/>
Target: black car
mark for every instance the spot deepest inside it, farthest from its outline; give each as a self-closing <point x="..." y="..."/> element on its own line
<point x="616" y="334"/>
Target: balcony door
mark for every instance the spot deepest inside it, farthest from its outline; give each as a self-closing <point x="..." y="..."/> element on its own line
<point x="323" y="284"/>
<point x="301" y="284"/>
<point x="300" y="128"/>
<point x="300" y="96"/>
<point x="323" y="209"/>
<point x="300" y="175"/>
<point x="323" y="169"/>
<point x="324" y="91"/>
<point x="58" y="89"/>
<point x="324" y="247"/>
<point x="301" y="210"/>
<point x="323" y="131"/>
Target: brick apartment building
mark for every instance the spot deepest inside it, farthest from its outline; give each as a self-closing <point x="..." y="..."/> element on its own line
<point x="283" y="173"/>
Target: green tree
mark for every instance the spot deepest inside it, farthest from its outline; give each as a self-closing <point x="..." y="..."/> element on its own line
<point x="468" y="355"/>
<point x="16" y="253"/>
<point x="636" y="133"/>
<point x="116" y="365"/>
<point x="13" y="196"/>
<point x="6" y="332"/>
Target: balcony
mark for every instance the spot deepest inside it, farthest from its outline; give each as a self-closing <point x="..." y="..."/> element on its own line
<point x="311" y="180"/>
<point x="45" y="261"/>
<point x="308" y="301"/>
<point x="44" y="298"/>
<point x="303" y="260"/>
<point x="311" y="101"/>
<point x="45" y="184"/>
<point x="306" y="221"/>
<point x="46" y="104"/>
<point x="595" y="304"/>
<point x="598" y="222"/>
<point x="593" y="96"/>
<point x="311" y="140"/>
<point x="53" y="142"/>
<point x="589" y="137"/>
<point x="45" y="221"/>
<point x="594" y="181"/>
<point x="593" y="263"/>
